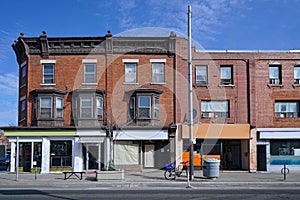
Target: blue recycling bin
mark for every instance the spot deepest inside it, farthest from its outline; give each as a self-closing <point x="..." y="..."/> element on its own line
<point x="211" y="168"/>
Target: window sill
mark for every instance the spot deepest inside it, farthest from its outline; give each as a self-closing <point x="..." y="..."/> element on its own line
<point x="162" y="83"/>
<point x="48" y="84"/>
<point x="89" y="84"/>
<point x="201" y="85"/>
<point x="130" y="83"/>
<point x="296" y="85"/>
<point x="232" y="86"/>
<point x="275" y="85"/>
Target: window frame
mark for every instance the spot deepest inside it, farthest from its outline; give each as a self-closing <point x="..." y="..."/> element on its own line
<point x="275" y="80"/>
<point x="99" y="107"/>
<point x="226" y="80"/>
<point x="206" y="114"/>
<point x="197" y="80"/>
<point x="148" y="107"/>
<point x="23" y="109"/>
<point x="127" y="64"/>
<point x="297" y="79"/>
<point x="86" y="107"/>
<point x="280" y="114"/>
<point x="160" y="74"/>
<point x="49" y="74"/>
<point x="40" y="107"/>
<point x="59" y="110"/>
<point x="24" y="75"/>
<point x="86" y="74"/>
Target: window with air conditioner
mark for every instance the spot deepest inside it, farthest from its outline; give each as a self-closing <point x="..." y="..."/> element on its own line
<point x="215" y="109"/>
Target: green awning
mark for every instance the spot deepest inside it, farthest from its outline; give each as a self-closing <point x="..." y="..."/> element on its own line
<point x="9" y="133"/>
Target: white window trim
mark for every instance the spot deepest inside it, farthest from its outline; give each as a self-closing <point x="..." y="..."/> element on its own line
<point x="158" y="60"/>
<point x="95" y="74"/>
<point x="47" y="61"/>
<point x="130" y="60"/>
<point x="89" y="61"/>
<point x="23" y="98"/>
<point x="40" y="107"/>
<point x="53" y="75"/>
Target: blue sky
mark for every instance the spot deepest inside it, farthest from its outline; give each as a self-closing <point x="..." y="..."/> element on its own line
<point x="216" y="24"/>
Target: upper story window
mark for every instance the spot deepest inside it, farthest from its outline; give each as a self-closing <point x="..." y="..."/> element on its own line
<point x="226" y="75"/>
<point x="88" y="104"/>
<point x="48" y="105"/>
<point x="90" y="70"/>
<point x="286" y="109"/>
<point x="23" y="108"/>
<point x="215" y="109"/>
<point x="130" y="70"/>
<point x="130" y="73"/>
<point x="144" y="106"/>
<point x="99" y="104"/>
<point x="23" y="75"/>
<point x="201" y="75"/>
<point x="158" y="70"/>
<point x="45" y="107"/>
<point x="48" y="71"/>
<point x="297" y="74"/>
<point x="59" y="107"/>
<point x="86" y="107"/>
<point x="275" y="74"/>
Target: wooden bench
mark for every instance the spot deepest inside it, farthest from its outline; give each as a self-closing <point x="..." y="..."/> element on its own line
<point x="69" y="174"/>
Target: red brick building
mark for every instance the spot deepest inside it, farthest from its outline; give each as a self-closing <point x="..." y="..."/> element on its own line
<point x="245" y="102"/>
<point x="84" y="101"/>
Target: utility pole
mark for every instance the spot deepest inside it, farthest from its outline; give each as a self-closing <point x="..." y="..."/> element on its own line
<point x="190" y="93"/>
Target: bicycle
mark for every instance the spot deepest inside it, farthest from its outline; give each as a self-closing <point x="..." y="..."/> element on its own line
<point x="172" y="172"/>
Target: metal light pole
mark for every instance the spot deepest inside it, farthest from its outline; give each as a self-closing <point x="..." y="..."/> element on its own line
<point x="17" y="160"/>
<point x="190" y="93"/>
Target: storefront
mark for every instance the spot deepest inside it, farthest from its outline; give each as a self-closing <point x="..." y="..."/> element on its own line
<point x="276" y="147"/>
<point x="228" y="143"/>
<point x="138" y="149"/>
<point x="58" y="150"/>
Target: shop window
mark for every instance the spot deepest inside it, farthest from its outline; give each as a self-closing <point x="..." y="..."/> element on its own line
<point x="285" y="152"/>
<point x="61" y="154"/>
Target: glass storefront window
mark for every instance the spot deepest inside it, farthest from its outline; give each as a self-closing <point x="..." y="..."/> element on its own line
<point x="285" y="152"/>
<point x="61" y="154"/>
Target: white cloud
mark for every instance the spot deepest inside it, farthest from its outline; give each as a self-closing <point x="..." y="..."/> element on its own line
<point x="8" y="84"/>
<point x="207" y="15"/>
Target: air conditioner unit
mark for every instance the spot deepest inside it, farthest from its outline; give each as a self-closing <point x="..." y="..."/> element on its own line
<point x="206" y="115"/>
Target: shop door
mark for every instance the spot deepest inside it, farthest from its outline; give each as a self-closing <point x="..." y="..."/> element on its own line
<point x="149" y="156"/>
<point x="231" y="154"/>
<point x="25" y="158"/>
<point x="92" y="157"/>
<point x="261" y="158"/>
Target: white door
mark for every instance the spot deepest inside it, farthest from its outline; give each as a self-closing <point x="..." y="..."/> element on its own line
<point x="149" y="155"/>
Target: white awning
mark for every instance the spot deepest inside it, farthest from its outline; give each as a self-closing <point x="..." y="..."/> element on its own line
<point x="94" y="140"/>
<point x="141" y="135"/>
<point x="279" y="135"/>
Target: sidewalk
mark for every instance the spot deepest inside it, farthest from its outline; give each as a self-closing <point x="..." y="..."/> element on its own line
<point x="152" y="176"/>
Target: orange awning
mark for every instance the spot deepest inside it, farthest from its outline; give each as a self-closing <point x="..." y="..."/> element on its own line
<point x="218" y="131"/>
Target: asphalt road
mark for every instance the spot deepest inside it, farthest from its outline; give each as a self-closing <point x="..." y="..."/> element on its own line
<point x="151" y="193"/>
